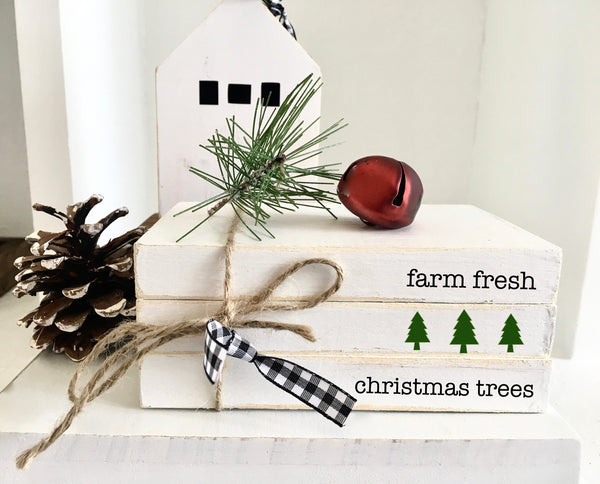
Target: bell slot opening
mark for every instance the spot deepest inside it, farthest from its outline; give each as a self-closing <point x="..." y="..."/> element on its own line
<point x="400" y="195"/>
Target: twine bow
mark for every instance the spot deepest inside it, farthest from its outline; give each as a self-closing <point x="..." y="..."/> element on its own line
<point x="143" y="338"/>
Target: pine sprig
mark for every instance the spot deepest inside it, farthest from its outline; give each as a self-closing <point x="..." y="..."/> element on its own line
<point x="261" y="168"/>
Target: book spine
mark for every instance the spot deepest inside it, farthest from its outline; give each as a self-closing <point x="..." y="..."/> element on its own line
<point x="412" y="329"/>
<point x="378" y="383"/>
<point x="510" y="276"/>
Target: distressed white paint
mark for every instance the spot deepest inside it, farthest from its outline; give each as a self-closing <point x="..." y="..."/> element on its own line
<point x="158" y="459"/>
<point x="452" y="239"/>
<point x="177" y="380"/>
<point x="547" y="451"/>
<point x="239" y="42"/>
<point x="370" y="327"/>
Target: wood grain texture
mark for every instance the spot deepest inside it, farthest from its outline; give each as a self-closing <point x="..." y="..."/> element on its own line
<point x="114" y="439"/>
<point x="103" y="458"/>
<point x="447" y="240"/>
<point x="371" y="327"/>
<point x="447" y="451"/>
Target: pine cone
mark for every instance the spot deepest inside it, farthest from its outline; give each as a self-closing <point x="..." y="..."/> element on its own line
<point x="87" y="290"/>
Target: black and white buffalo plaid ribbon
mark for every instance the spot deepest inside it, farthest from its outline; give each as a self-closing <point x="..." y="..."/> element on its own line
<point x="278" y="10"/>
<point x="317" y="392"/>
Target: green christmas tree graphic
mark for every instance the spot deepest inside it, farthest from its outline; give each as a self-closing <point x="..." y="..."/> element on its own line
<point x="417" y="332"/>
<point x="510" y="334"/>
<point x="464" y="332"/>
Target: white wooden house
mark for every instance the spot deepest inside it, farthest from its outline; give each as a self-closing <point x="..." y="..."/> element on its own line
<point x="239" y="54"/>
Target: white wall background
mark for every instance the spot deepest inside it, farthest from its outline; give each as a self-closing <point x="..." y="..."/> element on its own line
<point x="42" y="87"/>
<point x="110" y="146"/>
<point x="15" y="214"/>
<point x="494" y="102"/>
<point x="537" y="150"/>
<point x="405" y="75"/>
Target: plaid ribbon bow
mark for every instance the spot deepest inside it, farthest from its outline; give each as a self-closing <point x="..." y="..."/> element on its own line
<point x="326" y="398"/>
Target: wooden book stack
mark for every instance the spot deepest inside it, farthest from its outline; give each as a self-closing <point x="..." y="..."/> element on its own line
<point x="455" y="312"/>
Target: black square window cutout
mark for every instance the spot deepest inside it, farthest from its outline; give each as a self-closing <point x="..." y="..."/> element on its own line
<point x="269" y="93"/>
<point x="238" y="94"/>
<point x="209" y="92"/>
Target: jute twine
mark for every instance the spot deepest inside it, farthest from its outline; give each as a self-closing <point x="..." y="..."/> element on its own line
<point x="143" y="338"/>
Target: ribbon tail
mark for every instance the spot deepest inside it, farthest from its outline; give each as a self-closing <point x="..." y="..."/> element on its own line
<point x="214" y="350"/>
<point x="315" y="391"/>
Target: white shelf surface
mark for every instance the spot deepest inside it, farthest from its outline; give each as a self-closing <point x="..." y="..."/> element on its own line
<point x="114" y="440"/>
<point x="113" y="437"/>
<point x="15" y="350"/>
<point x="575" y="393"/>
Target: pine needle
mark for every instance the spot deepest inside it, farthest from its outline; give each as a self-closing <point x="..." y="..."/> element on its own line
<point x="260" y="168"/>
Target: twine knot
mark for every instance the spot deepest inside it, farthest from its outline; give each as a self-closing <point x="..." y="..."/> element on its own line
<point x="140" y="339"/>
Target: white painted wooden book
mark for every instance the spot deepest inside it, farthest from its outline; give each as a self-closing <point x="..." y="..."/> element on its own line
<point x="377" y="382"/>
<point x="239" y="54"/>
<point x="454" y="263"/>
<point x="371" y="327"/>
<point x="450" y="254"/>
<point x="114" y="440"/>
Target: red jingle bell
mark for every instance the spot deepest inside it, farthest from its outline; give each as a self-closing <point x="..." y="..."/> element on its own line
<point x="381" y="191"/>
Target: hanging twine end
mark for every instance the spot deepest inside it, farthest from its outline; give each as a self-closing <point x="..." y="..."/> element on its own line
<point x="219" y="396"/>
<point x="24" y="459"/>
<point x="306" y="332"/>
<point x="146" y="338"/>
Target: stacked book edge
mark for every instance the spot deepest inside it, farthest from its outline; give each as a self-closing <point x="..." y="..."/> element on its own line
<point x="455" y="312"/>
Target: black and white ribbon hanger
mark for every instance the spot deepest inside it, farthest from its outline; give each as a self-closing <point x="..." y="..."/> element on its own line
<point x="278" y="10"/>
<point x="315" y="391"/>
